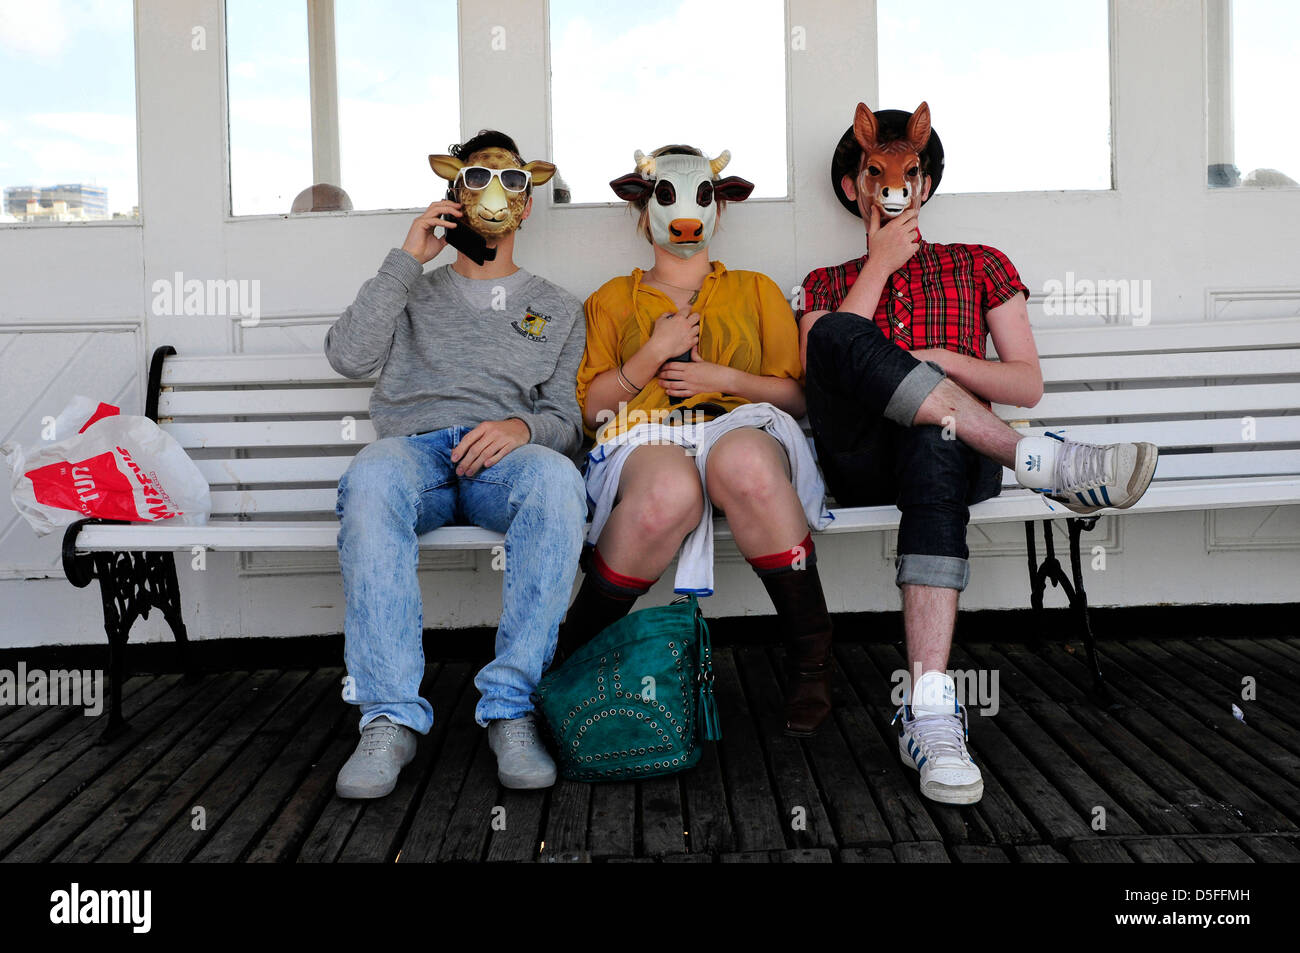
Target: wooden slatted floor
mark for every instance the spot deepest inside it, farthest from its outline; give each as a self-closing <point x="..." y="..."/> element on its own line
<point x="1180" y="778"/>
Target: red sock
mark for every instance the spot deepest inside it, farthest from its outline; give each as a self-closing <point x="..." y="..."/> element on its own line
<point x="804" y="554"/>
<point x="614" y="583"/>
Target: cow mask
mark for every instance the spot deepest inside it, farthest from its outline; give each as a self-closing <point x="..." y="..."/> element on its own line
<point x="493" y="211"/>
<point x="890" y="176"/>
<point x="682" y="193"/>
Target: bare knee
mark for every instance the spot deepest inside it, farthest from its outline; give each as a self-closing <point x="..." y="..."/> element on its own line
<point x="748" y="472"/>
<point x="667" y="508"/>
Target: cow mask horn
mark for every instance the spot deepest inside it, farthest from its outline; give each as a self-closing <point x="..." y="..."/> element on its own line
<point x="681" y="194"/>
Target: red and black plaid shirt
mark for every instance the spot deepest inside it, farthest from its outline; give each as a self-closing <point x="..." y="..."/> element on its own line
<point x="938" y="299"/>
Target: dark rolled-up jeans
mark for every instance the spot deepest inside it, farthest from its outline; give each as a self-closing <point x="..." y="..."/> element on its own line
<point x="863" y="392"/>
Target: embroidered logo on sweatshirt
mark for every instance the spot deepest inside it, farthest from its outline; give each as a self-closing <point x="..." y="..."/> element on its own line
<point x="533" y="326"/>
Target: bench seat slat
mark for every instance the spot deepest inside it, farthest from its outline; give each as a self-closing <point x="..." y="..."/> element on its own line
<point x="326" y="433"/>
<point x="272" y="470"/>
<point x="225" y="369"/>
<point x="1147" y="367"/>
<point x="1014" y="506"/>
<point x="1244" y="463"/>
<point x="269" y="433"/>
<point x="1156" y="402"/>
<point x="264" y="403"/>
<point x="1167" y="338"/>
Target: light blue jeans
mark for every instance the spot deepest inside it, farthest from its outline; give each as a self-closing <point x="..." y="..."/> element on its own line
<point x="400" y="487"/>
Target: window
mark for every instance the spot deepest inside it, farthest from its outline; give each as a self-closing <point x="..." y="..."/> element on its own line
<point x="67" y="119"/>
<point x="337" y="104"/>
<point x="707" y="73"/>
<point x="1250" y="54"/>
<point x="1019" y="94"/>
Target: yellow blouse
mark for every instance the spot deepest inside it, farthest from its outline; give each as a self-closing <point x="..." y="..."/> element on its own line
<point x="745" y="322"/>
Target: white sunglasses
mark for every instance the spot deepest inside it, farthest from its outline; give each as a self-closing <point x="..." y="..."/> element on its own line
<point x="478" y="177"/>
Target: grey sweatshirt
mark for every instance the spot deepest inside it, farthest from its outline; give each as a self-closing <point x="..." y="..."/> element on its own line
<point x="454" y="351"/>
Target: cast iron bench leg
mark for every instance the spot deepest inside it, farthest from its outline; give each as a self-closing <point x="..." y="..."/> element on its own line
<point x="130" y="584"/>
<point x="1051" y="570"/>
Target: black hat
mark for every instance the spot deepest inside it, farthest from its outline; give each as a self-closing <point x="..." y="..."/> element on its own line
<point x="893" y="125"/>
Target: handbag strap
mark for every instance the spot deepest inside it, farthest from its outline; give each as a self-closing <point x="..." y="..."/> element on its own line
<point x="710" y="724"/>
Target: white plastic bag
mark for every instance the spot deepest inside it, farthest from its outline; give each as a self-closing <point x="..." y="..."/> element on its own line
<point x="110" y="465"/>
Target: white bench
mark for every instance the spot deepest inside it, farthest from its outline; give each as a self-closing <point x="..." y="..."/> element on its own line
<point x="273" y="434"/>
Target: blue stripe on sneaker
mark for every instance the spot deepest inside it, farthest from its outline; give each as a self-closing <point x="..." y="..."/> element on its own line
<point x="1093" y="494"/>
<point x="1105" y="496"/>
<point x="1079" y="497"/>
<point x="921" y="763"/>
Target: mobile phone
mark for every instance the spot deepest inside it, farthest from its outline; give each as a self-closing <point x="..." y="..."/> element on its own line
<point x="467" y="241"/>
<point x="687" y="359"/>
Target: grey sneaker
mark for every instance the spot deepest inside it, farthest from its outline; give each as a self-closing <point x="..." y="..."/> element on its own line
<point x="385" y="748"/>
<point x="522" y="761"/>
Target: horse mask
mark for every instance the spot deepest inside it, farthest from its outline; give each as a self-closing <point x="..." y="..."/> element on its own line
<point x="682" y="193"/>
<point x="494" y="209"/>
<point x="890" y="176"/>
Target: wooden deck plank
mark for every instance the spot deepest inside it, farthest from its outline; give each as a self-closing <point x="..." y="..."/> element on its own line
<point x="1279" y="765"/>
<point x="1019" y="803"/>
<point x="476" y="804"/>
<point x="663" y="831"/>
<point x="1038" y="854"/>
<point x="799" y="801"/>
<point x="238" y="833"/>
<point x="68" y="742"/>
<point x="565" y="840"/>
<point x="519" y="841"/>
<point x="922" y="852"/>
<point x="855" y="817"/>
<point x="1214" y="850"/>
<point x="705" y="803"/>
<point x="1100" y="851"/>
<point x="239" y="757"/>
<point x="980" y="854"/>
<point x="377" y="835"/>
<point x="295" y="820"/>
<point x="1271" y="850"/>
<point x="1169" y="763"/>
<point x="997" y="816"/>
<point x="1268" y="803"/>
<point x="1057" y="764"/>
<point x="867" y="855"/>
<point x="901" y="805"/>
<point x="1272" y="691"/>
<point x="1217" y="695"/>
<point x="756" y="817"/>
<point x="1117" y="785"/>
<point x="434" y="807"/>
<point x="1182" y="794"/>
<point x="173" y="711"/>
<point x="126" y="827"/>
<point x="612" y="827"/>
<point x="25" y="725"/>
<point x="1157" y="852"/>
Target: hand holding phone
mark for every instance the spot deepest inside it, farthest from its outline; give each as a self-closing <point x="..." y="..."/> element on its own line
<point x="468" y="242"/>
<point x="421" y="243"/>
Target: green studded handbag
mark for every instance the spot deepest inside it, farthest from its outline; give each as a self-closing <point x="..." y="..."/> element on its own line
<point x="637" y="700"/>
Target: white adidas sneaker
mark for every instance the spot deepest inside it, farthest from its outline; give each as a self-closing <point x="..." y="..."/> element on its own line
<point x="932" y="735"/>
<point x="1086" y="477"/>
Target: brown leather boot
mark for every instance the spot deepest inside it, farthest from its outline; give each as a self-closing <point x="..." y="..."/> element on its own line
<point x="801" y="608"/>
